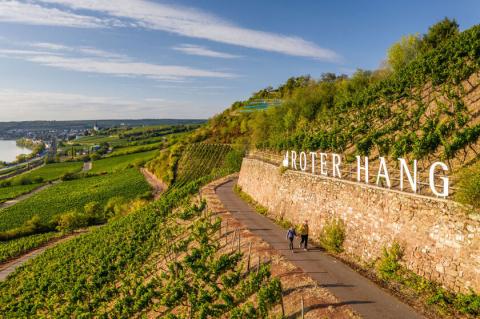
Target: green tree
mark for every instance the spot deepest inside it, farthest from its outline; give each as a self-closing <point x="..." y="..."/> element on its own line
<point x="404" y="51"/>
<point x="439" y="32"/>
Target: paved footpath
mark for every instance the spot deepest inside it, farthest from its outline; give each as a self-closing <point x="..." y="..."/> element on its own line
<point x="365" y="297"/>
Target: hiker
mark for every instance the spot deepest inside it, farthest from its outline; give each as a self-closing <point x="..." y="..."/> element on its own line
<point x="304" y="235"/>
<point x="291" y="234"/>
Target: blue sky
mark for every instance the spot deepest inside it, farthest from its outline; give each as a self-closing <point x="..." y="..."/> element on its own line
<point x="97" y="59"/>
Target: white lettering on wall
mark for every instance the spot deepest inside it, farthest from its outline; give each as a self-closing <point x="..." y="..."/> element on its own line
<point x="313" y="155"/>
<point x="303" y="161"/>
<point x="404" y="169"/>
<point x="411" y="174"/>
<point x="383" y="172"/>
<point x="444" y="167"/>
<point x="336" y="161"/>
<point x="360" y="168"/>
<point x="285" y="160"/>
<point x="323" y="164"/>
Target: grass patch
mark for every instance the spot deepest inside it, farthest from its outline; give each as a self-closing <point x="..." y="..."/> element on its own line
<point x="247" y="198"/>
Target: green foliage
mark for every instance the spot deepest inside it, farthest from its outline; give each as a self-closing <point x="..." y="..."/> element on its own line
<point x="403" y="52"/>
<point x="437" y="297"/>
<point x="468" y="186"/>
<point x="439" y="33"/>
<point x="389" y="264"/>
<point x="71" y="220"/>
<point x="94" y="213"/>
<point x="333" y="235"/>
<point x="115" y="206"/>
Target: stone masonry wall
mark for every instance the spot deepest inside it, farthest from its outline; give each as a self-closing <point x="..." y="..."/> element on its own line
<point x="441" y="242"/>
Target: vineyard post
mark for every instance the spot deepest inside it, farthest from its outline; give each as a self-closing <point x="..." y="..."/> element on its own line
<point x="233" y="239"/>
<point x="238" y="242"/>
<point x="258" y="263"/>
<point x="249" y="253"/>
<point x="301" y="303"/>
<point x="281" y="300"/>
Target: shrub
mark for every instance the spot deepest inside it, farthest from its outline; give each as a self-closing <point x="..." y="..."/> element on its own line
<point x="115" y="206"/>
<point x="333" y="235"/>
<point x="68" y="176"/>
<point x="38" y="180"/>
<point x="469" y="186"/>
<point x="94" y="213"/>
<point x="24" y="181"/>
<point x="148" y="195"/>
<point x="389" y="264"/>
<point x="71" y="220"/>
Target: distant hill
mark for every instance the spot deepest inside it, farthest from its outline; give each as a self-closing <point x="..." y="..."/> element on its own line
<point x="15" y="129"/>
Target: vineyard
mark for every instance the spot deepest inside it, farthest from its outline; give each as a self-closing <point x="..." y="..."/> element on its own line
<point x="181" y="163"/>
<point x="116" y="163"/>
<point x="158" y="261"/>
<point x="47" y="173"/>
<point x="7" y="193"/>
<point x="70" y="195"/>
<point x="15" y="247"/>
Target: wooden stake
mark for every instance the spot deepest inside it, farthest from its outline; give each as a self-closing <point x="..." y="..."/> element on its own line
<point x="281" y="300"/>
<point x="238" y="243"/>
<point x="249" y="253"/>
<point x="301" y="302"/>
<point x="258" y="263"/>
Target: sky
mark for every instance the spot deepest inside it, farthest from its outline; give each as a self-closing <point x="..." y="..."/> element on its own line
<point x="117" y="59"/>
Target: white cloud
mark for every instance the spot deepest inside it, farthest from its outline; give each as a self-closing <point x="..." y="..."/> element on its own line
<point x="203" y="51"/>
<point x="92" y="60"/>
<point x="30" y="13"/>
<point x="44" y="105"/>
<point x="171" y="18"/>
<point x="120" y="68"/>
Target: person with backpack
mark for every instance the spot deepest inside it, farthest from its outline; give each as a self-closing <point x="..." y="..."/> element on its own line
<point x="291" y="234"/>
<point x="304" y="235"/>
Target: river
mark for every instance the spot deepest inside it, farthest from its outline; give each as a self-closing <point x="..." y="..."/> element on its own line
<point x="9" y="150"/>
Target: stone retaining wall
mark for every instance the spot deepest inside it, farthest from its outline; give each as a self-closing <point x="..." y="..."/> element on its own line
<point x="441" y="242"/>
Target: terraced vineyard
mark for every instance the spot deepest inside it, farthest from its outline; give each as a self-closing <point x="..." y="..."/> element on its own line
<point x="69" y="195"/>
<point x="201" y="159"/>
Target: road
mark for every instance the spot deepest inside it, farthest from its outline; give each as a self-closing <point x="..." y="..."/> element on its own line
<point x="364" y="296"/>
